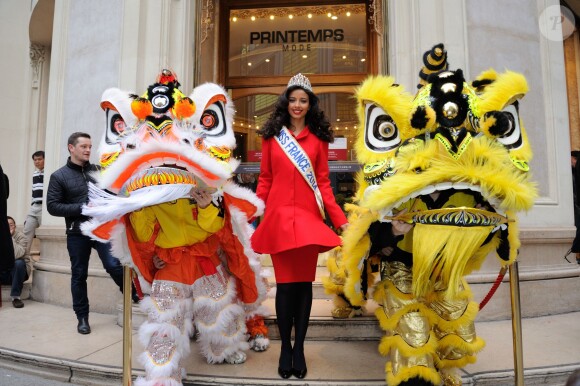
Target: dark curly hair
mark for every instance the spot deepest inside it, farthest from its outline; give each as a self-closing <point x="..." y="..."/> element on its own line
<point x="315" y="119"/>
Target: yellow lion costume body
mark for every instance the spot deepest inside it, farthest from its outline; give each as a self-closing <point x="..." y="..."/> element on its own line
<point x="456" y="177"/>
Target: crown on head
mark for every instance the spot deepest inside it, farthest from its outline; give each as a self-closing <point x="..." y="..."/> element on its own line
<point x="300" y="81"/>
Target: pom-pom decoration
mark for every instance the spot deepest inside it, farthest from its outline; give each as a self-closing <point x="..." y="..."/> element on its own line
<point x="142" y="108"/>
<point x="184" y="108"/>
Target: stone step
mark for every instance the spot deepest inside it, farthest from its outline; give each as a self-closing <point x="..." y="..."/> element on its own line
<point x="24" y="295"/>
<point x="322" y="325"/>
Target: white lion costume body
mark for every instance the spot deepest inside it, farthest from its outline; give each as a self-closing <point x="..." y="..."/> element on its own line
<point x="156" y="148"/>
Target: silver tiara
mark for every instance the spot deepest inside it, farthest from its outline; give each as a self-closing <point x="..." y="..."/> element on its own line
<point x="300" y="81"/>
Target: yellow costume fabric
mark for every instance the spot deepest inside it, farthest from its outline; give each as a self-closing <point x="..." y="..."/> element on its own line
<point x="431" y="332"/>
<point x="180" y="232"/>
<point x="179" y="224"/>
<point x="456" y="158"/>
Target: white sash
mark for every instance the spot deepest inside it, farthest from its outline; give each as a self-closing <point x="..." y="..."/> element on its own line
<point x="300" y="159"/>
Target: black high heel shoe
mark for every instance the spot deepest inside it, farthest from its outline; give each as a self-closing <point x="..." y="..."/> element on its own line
<point x="299" y="373"/>
<point x="300" y="362"/>
<point x="285" y="364"/>
<point x="284" y="373"/>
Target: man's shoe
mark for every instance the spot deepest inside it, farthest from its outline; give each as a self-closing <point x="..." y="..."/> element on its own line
<point x="83" y="326"/>
<point x="17" y="303"/>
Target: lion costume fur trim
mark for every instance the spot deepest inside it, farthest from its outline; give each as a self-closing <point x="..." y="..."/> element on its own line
<point x="394" y="100"/>
<point x="484" y="163"/>
<point x="505" y="89"/>
<point x="356" y="246"/>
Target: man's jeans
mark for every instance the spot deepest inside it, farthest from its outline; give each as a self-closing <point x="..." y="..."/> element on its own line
<point x="16" y="277"/>
<point x="79" y="249"/>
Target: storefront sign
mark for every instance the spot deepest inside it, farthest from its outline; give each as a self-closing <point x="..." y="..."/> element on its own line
<point x="337" y="154"/>
<point x="296" y="36"/>
<point x="254" y="155"/>
<point x="296" y="40"/>
<point x="337" y="150"/>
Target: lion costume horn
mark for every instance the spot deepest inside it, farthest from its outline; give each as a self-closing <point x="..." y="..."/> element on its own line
<point x="434" y="61"/>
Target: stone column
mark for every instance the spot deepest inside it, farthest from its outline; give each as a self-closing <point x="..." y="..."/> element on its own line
<point x="88" y="58"/>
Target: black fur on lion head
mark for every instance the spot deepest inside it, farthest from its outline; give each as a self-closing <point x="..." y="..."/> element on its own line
<point x="447" y="98"/>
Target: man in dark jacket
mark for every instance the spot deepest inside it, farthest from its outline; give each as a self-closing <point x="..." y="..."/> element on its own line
<point x="6" y="247"/>
<point x="67" y="192"/>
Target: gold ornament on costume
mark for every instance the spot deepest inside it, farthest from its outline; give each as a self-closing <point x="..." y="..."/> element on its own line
<point x="462" y="216"/>
<point x="450" y="110"/>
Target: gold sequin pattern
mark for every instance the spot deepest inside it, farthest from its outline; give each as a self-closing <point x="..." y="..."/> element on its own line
<point x="214" y="286"/>
<point x="161" y="349"/>
<point x="167" y="294"/>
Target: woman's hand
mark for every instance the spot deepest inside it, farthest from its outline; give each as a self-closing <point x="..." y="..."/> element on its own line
<point x="201" y="197"/>
<point x="344" y="227"/>
<point x="158" y="263"/>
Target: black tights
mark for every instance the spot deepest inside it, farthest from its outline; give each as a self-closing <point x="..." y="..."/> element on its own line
<point x="293" y="305"/>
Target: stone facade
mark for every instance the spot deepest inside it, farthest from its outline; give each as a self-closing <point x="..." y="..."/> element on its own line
<point x="57" y="74"/>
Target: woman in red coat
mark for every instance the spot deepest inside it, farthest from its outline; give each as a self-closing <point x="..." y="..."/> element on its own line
<point x="293" y="231"/>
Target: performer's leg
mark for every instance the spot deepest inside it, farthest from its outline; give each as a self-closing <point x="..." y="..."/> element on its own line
<point x="258" y="332"/>
<point x="334" y="285"/>
<point x="285" y="320"/>
<point x="257" y="329"/>
<point x="408" y="340"/>
<point x="455" y="331"/>
<point x="219" y="319"/>
<point x="165" y="334"/>
<point x="302" y="308"/>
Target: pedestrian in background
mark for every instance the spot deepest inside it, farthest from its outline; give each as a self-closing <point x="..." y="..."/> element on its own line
<point x="34" y="218"/>
<point x="22" y="268"/>
<point x="575" y="249"/>
<point x="6" y="248"/>
<point x="295" y="187"/>
<point x="67" y="192"/>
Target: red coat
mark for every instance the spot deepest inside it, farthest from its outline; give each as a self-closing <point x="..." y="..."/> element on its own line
<point x="292" y="218"/>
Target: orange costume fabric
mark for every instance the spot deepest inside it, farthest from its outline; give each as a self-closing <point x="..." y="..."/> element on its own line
<point x="187" y="239"/>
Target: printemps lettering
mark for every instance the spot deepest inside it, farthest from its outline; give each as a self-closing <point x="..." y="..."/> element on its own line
<point x="296" y="37"/>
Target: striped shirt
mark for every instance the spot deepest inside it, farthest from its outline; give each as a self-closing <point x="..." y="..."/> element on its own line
<point x="37" y="185"/>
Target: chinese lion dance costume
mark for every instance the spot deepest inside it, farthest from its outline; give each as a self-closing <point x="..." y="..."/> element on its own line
<point x="156" y="149"/>
<point x="444" y="175"/>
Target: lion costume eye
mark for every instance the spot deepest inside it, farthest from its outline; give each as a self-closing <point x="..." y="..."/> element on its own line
<point x="381" y="132"/>
<point x="513" y="139"/>
<point x="212" y="120"/>
<point x="387" y="129"/>
<point x="209" y="120"/>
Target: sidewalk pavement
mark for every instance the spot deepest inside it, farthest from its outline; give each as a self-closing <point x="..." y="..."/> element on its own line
<point x="41" y="339"/>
